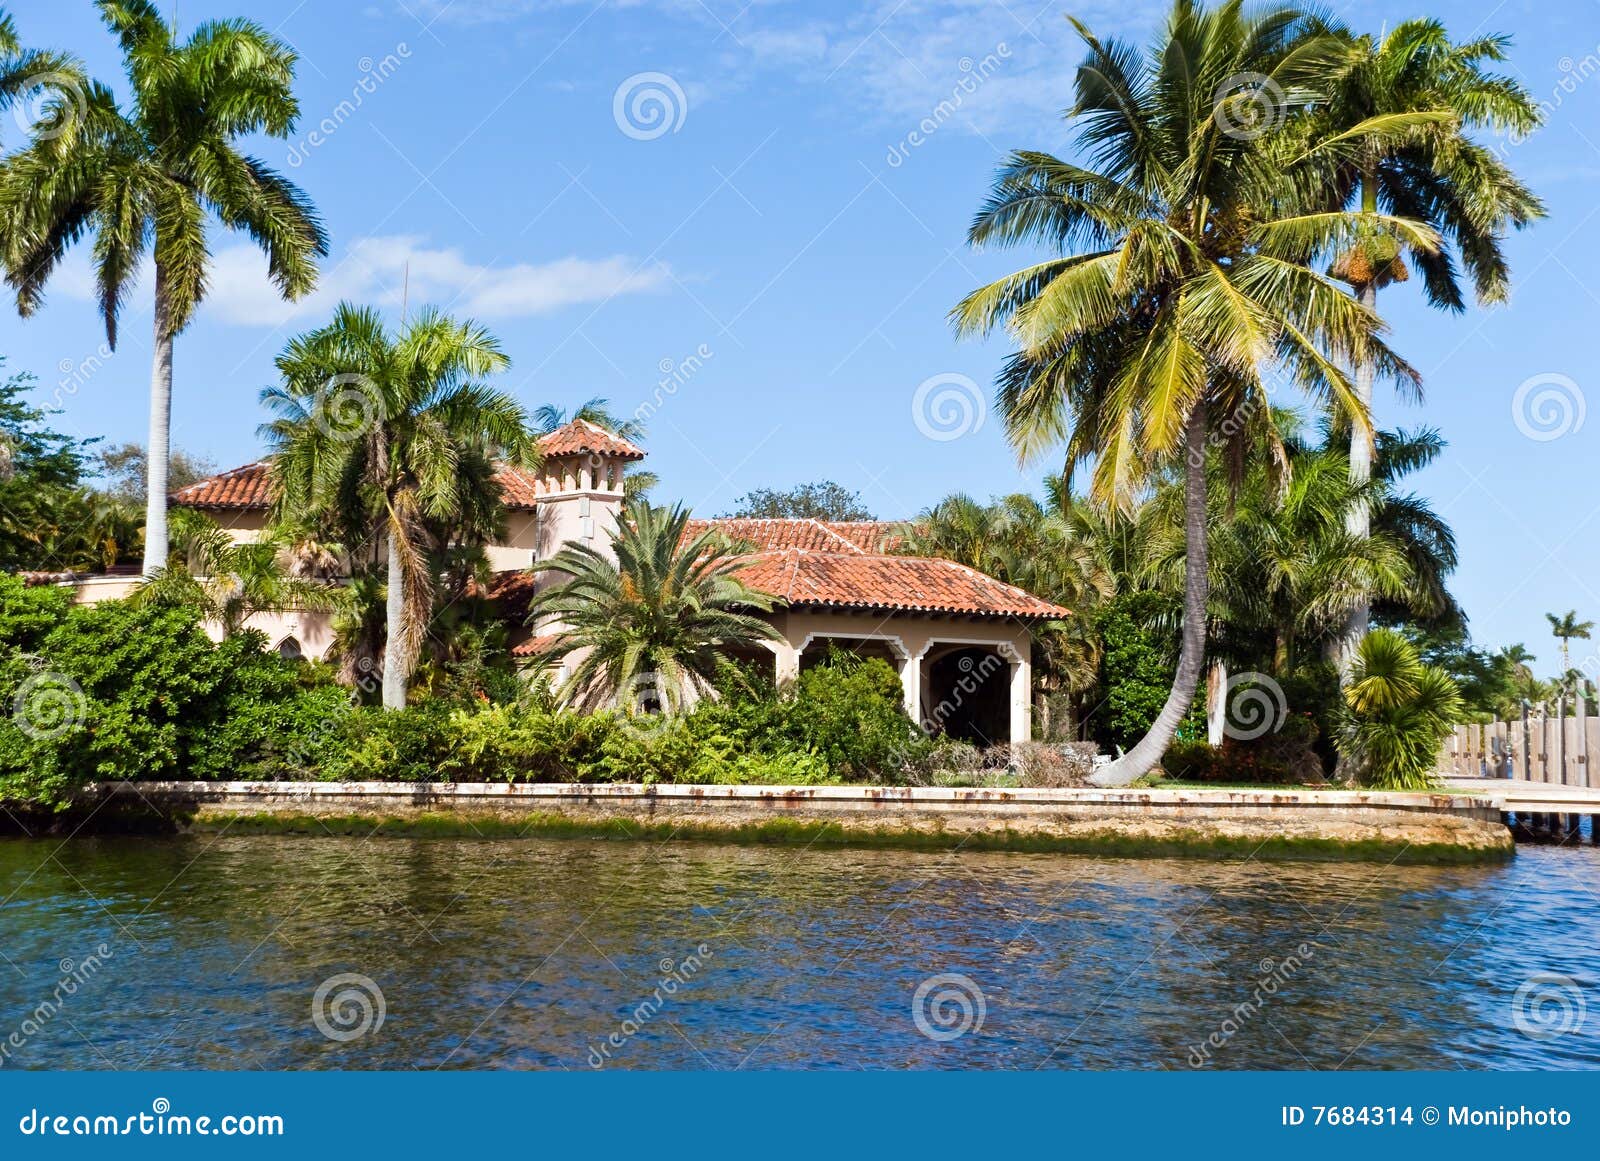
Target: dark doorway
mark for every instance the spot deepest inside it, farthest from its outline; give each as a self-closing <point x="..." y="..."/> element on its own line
<point x="968" y="696"/>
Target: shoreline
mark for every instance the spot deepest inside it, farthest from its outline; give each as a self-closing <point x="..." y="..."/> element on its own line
<point x="1410" y="827"/>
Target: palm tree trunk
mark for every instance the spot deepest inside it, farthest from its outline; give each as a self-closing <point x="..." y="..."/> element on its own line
<point x="394" y="660"/>
<point x="1140" y="760"/>
<point x="158" y="451"/>
<point x="1358" y="521"/>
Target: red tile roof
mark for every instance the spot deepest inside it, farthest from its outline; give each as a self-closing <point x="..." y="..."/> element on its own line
<point x="250" y="487"/>
<point x="812" y="535"/>
<point x="856" y="580"/>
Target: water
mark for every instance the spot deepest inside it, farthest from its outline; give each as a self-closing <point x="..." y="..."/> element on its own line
<point x="547" y="954"/>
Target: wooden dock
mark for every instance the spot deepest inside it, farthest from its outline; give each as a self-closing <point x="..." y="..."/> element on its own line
<point x="1518" y="796"/>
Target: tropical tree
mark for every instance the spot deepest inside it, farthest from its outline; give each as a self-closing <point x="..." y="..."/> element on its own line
<point x="1181" y="270"/>
<point x="1398" y="712"/>
<point x="147" y="179"/>
<point x="656" y="625"/>
<point x="228" y="580"/>
<point x="387" y="442"/>
<point x="822" y="500"/>
<point x="1429" y="95"/>
<point x="1566" y="627"/>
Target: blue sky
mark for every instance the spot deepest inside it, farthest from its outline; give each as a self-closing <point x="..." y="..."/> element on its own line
<point x="748" y="190"/>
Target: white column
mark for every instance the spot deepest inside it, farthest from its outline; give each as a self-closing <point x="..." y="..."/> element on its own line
<point x="1021" y="699"/>
<point x="911" y="682"/>
<point x="788" y="660"/>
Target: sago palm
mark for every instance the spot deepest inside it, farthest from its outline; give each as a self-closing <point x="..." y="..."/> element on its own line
<point x="383" y="441"/>
<point x="655" y="624"/>
<point x="149" y="178"/>
<point x="1179" y="275"/>
<point x="1397" y="713"/>
<point x="1436" y="94"/>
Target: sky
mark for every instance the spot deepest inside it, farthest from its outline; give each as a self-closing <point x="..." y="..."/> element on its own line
<point x="747" y="218"/>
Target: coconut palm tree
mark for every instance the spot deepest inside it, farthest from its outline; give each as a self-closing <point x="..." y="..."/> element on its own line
<point x="1398" y="711"/>
<point x="1434" y="94"/>
<point x="1566" y="627"/>
<point x="1179" y="274"/>
<point x="656" y="625"/>
<point x="148" y="179"/>
<point x="388" y="441"/>
<point x="229" y="580"/>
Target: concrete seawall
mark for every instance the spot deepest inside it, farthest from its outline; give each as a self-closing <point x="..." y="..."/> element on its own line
<point x="1411" y="827"/>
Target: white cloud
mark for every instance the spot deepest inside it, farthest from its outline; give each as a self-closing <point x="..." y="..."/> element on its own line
<point x="374" y="270"/>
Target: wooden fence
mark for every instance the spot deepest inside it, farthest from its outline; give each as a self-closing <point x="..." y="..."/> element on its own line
<point x="1552" y="746"/>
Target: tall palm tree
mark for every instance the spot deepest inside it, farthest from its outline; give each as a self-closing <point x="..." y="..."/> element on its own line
<point x="388" y="441"/>
<point x="1179" y="275"/>
<point x="229" y="580"/>
<point x="149" y="178"/>
<point x="655" y="626"/>
<point x="1564" y="628"/>
<point x="1435" y="94"/>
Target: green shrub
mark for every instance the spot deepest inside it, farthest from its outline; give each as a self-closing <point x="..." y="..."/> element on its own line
<point x="851" y="713"/>
<point x="1397" y="714"/>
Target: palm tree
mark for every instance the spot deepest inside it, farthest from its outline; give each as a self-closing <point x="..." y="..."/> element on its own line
<point x="389" y="441"/>
<point x="1432" y="94"/>
<point x="148" y="178"/>
<point x="655" y="626"/>
<point x="1398" y="712"/>
<point x="1564" y="628"/>
<point x="229" y="580"/>
<point x="1179" y="275"/>
<point x="24" y="71"/>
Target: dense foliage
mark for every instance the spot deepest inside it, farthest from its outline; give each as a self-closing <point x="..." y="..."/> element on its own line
<point x="823" y="500"/>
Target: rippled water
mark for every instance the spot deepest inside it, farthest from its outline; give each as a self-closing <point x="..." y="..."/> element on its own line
<point x="547" y="954"/>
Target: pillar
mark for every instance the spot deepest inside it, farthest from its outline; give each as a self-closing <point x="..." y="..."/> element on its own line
<point x="911" y="684"/>
<point x="1021" y="698"/>
<point x="788" y="661"/>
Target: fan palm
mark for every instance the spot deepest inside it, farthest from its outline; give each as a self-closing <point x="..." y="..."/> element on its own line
<point x="1566" y="627"/>
<point x="1180" y="275"/>
<point x="388" y="441"/>
<point x="147" y="179"/>
<point x="1435" y="94"/>
<point x="229" y="580"/>
<point x="655" y="626"/>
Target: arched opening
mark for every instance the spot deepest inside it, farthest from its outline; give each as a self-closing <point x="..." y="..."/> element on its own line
<point x="968" y="695"/>
<point x="289" y="649"/>
<point x="817" y="651"/>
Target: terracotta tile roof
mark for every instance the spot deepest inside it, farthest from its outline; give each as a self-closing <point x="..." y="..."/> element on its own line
<point x="251" y="486"/>
<point x="533" y="646"/>
<point x="866" y="536"/>
<point x="580" y="437"/>
<point x="857" y="580"/>
<point x="246" y="487"/>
